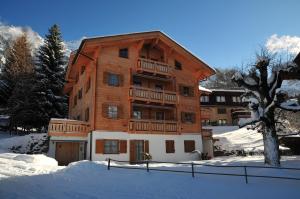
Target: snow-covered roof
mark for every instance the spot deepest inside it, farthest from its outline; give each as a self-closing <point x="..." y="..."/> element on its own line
<point x="201" y="88"/>
<point x="227" y="90"/>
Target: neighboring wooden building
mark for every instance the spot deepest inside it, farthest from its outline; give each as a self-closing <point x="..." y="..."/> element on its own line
<point x="223" y="107"/>
<point x="130" y="94"/>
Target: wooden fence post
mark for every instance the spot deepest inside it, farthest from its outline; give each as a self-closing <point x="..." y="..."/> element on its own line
<point x="108" y="165"/>
<point x="193" y="174"/>
<point x="147" y="165"/>
<point x="246" y="176"/>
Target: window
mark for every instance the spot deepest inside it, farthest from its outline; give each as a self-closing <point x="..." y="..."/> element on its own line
<point x="178" y="65"/>
<point x="82" y="69"/>
<point x="80" y="94"/>
<point x="188" y="117"/>
<point x="75" y="100"/>
<point x="113" y="79"/>
<point x="112" y="111"/>
<point x="137" y="114"/>
<point x="159" y="115"/>
<point x="123" y="52"/>
<point x="77" y="77"/>
<point x="159" y="87"/>
<point x="111" y="146"/>
<point x="236" y="99"/>
<point x="87" y="114"/>
<point x="187" y="91"/>
<point x="205" y="122"/>
<point x="204" y="98"/>
<point x="170" y="146"/>
<point x="189" y="146"/>
<point x="220" y="98"/>
<point x="78" y="117"/>
<point x="221" y="110"/>
<point x="88" y="85"/>
<point x="137" y="82"/>
<point x="222" y="122"/>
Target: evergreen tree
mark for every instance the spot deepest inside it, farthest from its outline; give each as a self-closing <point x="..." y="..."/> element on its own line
<point x="50" y="73"/>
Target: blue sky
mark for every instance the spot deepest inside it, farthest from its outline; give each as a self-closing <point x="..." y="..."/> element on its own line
<point x="223" y="33"/>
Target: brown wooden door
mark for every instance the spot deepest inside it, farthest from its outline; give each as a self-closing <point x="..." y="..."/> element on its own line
<point x="67" y="152"/>
<point x="138" y="148"/>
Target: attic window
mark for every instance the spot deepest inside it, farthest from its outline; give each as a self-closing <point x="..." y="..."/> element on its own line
<point x="82" y="69"/>
<point x="123" y="52"/>
<point x="178" y="65"/>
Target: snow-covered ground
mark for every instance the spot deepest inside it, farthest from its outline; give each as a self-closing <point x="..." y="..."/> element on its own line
<point x="36" y="176"/>
<point x="32" y="143"/>
<point x="232" y="139"/>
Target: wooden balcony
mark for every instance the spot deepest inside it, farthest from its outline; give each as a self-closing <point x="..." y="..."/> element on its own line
<point x="152" y="95"/>
<point x="65" y="127"/>
<point x="153" y="126"/>
<point x="154" y="67"/>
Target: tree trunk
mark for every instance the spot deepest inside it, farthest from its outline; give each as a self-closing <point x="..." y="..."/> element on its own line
<point x="271" y="146"/>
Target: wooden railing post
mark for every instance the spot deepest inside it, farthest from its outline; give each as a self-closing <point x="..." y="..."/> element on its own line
<point x="108" y="165"/>
<point x="246" y="176"/>
<point x="147" y="165"/>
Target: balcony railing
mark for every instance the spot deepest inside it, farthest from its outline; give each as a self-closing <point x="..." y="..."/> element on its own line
<point x="153" y="126"/>
<point x="152" y="95"/>
<point x="154" y="67"/>
<point x="65" y="127"/>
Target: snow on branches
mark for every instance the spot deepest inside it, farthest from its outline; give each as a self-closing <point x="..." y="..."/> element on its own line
<point x="263" y="83"/>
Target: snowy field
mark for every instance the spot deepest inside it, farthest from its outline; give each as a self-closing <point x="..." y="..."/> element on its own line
<point x="37" y="176"/>
<point x="232" y="138"/>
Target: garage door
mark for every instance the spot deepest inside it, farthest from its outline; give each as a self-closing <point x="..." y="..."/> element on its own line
<point x="67" y="152"/>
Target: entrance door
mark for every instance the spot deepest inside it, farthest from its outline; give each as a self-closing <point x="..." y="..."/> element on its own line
<point x="67" y="152"/>
<point x="138" y="148"/>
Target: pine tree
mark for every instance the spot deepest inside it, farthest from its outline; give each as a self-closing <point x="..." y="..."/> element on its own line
<point x="50" y="73"/>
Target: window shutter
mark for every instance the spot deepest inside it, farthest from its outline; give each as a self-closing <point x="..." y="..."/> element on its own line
<point x="123" y="146"/>
<point x="132" y="150"/>
<point x="183" y="117"/>
<point x="193" y="117"/>
<point x="170" y="148"/>
<point x="105" y="77"/>
<point x="100" y="146"/>
<point x="146" y="142"/>
<point x="189" y="146"/>
<point x="121" y="80"/>
<point x="192" y="92"/>
<point x="181" y="89"/>
<point x="120" y="111"/>
<point x="105" y="110"/>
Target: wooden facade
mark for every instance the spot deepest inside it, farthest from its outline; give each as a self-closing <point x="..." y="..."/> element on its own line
<point x="135" y="83"/>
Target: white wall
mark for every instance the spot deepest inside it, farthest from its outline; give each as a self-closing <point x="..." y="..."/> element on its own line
<point x="157" y="147"/>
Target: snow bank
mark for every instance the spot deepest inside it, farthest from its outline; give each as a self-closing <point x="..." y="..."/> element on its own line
<point x="13" y="164"/>
<point x="87" y="179"/>
<point x="36" y="159"/>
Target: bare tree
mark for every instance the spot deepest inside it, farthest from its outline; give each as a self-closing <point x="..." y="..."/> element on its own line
<point x="263" y="84"/>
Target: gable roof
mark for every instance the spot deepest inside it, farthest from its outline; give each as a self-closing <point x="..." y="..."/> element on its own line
<point x="140" y="36"/>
